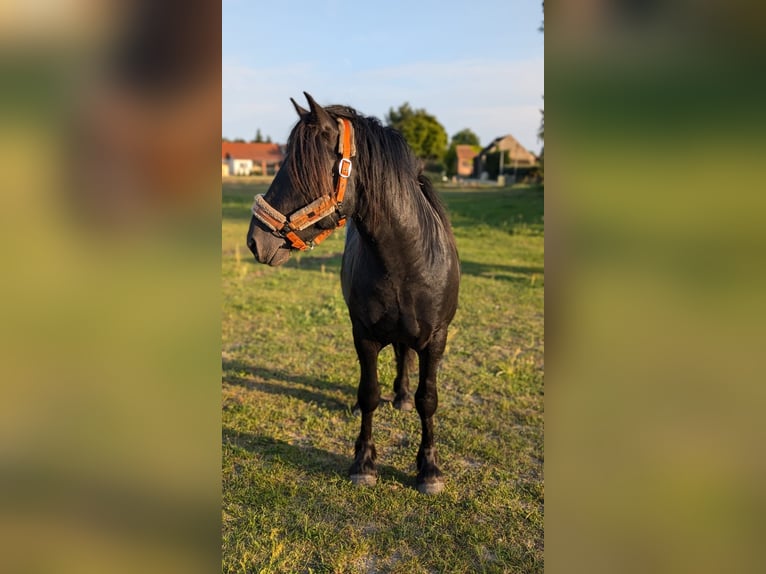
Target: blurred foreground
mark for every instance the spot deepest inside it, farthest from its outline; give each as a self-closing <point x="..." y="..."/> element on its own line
<point x="110" y="331"/>
<point x="655" y="283"/>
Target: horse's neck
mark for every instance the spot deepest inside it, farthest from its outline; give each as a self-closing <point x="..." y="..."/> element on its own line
<point x="406" y="233"/>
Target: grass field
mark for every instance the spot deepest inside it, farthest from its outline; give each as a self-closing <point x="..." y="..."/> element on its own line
<point x="289" y="381"/>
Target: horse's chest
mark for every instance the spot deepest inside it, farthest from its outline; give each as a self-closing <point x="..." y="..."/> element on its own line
<point x="389" y="302"/>
<point x="390" y="314"/>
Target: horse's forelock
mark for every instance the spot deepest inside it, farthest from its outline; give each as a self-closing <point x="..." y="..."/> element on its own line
<point x="310" y="156"/>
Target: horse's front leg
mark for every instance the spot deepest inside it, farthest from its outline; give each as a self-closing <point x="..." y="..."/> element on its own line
<point x="429" y="479"/>
<point x="363" y="470"/>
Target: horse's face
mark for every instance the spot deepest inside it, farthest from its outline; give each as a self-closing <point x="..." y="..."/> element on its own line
<point x="306" y="175"/>
<point x="272" y="247"/>
<point x="266" y="245"/>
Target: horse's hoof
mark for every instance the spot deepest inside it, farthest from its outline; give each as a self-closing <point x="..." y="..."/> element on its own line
<point x="434" y="487"/>
<point x="404" y="404"/>
<point x="364" y="479"/>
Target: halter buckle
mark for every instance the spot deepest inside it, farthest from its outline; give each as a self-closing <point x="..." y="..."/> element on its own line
<point x="344" y="168"/>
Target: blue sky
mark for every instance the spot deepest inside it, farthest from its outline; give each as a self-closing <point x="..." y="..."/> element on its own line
<point x="474" y="64"/>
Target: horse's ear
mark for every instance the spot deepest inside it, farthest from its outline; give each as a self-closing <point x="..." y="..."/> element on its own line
<point x="302" y="112"/>
<point x="324" y="119"/>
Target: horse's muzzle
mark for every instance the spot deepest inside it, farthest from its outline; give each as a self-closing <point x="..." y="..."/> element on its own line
<point x="266" y="248"/>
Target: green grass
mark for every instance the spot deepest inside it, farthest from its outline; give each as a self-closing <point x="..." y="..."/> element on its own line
<point x="289" y="380"/>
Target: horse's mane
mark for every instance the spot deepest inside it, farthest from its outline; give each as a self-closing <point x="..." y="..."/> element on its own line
<point x="389" y="176"/>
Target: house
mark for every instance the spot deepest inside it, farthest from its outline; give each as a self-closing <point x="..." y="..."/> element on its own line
<point x="465" y="155"/>
<point x="251" y="158"/>
<point x="239" y="166"/>
<point x="518" y="157"/>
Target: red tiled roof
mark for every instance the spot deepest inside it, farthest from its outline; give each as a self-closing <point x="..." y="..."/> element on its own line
<point x="258" y="152"/>
<point x="465" y="152"/>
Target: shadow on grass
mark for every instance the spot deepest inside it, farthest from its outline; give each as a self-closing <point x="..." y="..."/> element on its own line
<point x="309" y="458"/>
<point x="513" y="273"/>
<point x="496" y="208"/>
<point x="274" y="382"/>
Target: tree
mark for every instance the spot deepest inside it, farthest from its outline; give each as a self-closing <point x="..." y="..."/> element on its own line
<point x="492" y="163"/>
<point x="258" y="136"/>
<point x="422" y="131"/>
<point x="541" y="135"/>
<point x="465" y="137"/>
<point x="396" y="118"/>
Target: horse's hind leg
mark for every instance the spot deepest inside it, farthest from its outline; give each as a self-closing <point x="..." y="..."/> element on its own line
<point x="404" y="358"/>
<point x="429" y="479"/>
<point x="363" y="470"/>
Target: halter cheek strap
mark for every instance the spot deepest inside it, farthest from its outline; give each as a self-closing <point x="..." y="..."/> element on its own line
<point x="317" y="209"/>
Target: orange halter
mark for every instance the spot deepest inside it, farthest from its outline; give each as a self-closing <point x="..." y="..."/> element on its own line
<point x="316" y="210"/>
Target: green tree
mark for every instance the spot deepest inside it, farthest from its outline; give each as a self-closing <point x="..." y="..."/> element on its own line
<point x="258" y="136"/>
<point x="541" y="136"/>
<point x="450" y="160"/>
<point x="422" y="131"/>
<point x="492" y="163"/>
<point x="465" y="137"/>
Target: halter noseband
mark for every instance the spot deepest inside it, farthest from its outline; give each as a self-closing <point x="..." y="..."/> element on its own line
<point x="316" y="210"/>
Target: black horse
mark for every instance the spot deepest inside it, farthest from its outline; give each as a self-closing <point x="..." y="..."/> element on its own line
<point x="400" y="272"/>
